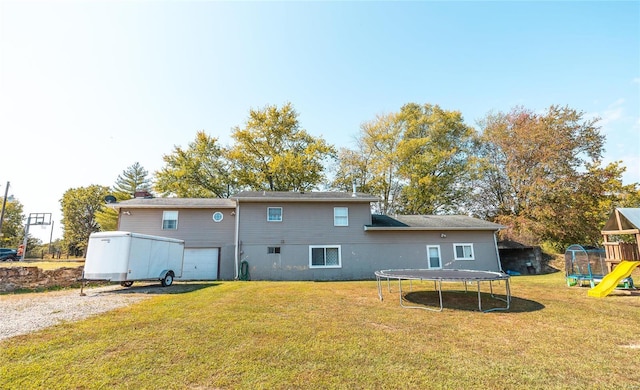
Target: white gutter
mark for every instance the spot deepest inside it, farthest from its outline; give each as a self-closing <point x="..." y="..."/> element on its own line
<point x="425" y="228"/>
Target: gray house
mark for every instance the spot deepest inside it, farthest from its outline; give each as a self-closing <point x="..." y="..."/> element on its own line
<point x="309" y="236"/>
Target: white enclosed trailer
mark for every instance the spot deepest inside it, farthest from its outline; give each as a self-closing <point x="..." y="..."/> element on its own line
<point x="126" y="257"/>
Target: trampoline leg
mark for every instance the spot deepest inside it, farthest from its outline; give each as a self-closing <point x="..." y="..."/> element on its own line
<point x="507" y="300"/>
<point x="379" y="288"/>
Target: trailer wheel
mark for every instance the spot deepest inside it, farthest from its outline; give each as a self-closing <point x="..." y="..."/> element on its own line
<point x="167" y="280"/>
<point x="127" y="283"/>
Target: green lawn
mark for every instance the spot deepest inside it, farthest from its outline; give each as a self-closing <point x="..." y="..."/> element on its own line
<point x="270" y="335"/>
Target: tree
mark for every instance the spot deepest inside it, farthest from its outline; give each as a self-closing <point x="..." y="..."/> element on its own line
<point x="132" y="180"/>
<point x="436" y="159"/>
<point x="373" y="166"/>
<point x="542" y="175"/>
<point x="79" y="208"/>
<point x="273" y="153"/>
<point x="200" y="171"/>
<point x="12" y="223"/>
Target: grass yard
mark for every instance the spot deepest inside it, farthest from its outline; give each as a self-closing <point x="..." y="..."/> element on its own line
<point x="282" y="335"/>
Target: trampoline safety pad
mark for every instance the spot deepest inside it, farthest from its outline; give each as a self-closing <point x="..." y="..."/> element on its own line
<point x="438" y="276"/>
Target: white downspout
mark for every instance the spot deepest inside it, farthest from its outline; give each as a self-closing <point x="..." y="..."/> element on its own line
<point x="495" y="242"/>
<point x="237" y="239"/>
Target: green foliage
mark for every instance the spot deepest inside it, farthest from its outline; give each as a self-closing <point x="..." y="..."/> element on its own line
<point x="79" y="208"/>
<point x="542" y="176"/>
<point x="436" y="159"/>
<point x="200" y="171"/>
<point x="12" y="224"/>
<point x="418" y="161"/>
<point x="373" y="166"/>
<point x="107" y="219"/>
<point x="273" y="153"/>
<point x="133" y="179"/>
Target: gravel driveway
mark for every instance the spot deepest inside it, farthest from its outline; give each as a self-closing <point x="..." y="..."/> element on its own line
<point x="26" y="313"/>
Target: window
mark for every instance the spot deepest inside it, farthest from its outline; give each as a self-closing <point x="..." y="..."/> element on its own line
<point x="340" y="216"/>
<point x="324" y="257"/>
<point x="217" y="216"/>
<point x="433" y="256"/>
<point x="463" y="251"/>
<point x="273" y="250"/>
<point x="274" y="214"/>
<point x="169" y="220"/>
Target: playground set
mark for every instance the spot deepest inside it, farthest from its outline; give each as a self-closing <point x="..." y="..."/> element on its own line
<point x="610" y="267"/>
<point x="587" y="265"/>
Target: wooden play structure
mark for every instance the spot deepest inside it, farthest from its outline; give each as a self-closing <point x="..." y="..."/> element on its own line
<point x="622" y="222"/>
<point x="621" y="239"/>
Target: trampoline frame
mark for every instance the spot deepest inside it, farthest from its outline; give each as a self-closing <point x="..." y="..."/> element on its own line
<point x="438" y="276"/>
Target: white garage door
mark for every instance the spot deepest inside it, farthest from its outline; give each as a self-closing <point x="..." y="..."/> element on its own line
<point x="200" y="264"/>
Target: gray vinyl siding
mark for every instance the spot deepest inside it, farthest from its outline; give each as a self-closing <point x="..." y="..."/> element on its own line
<point x="302" y="223"/>
<point x="362" y="252"/>
<point x="195" y="226"/>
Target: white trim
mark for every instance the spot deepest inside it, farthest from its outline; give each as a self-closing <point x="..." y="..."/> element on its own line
<point x="274" y="220"/>
<point x="340" y="217"/>
<point x="164" y="213"/>
<point x="455" y="253"/>
<point x="339" y="247"/>
<point x="429" y="256"/>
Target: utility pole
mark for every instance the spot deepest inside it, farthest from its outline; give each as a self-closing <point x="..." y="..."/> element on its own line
<point x="4" y="203"/>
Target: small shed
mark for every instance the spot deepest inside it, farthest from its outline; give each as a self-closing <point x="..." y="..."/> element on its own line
<point x="621" y="236"/>
<point x="523" y="259"/>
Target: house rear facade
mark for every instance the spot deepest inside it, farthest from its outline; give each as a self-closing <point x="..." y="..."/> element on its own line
<point x="309" y="236"/>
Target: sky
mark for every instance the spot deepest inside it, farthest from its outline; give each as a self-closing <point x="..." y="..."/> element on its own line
<point x="88" y="88"/>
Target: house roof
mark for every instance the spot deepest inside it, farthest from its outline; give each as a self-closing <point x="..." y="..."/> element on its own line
<point x="623" y="219"/>
<point x="430" y="222"/>
<point x="313" y="196"/>
<point x="507" y="244"/>
<point x="183" y="203"/>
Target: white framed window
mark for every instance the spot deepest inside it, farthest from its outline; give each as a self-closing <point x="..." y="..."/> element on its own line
<point x="217" y="216"/>
<point x="274" y="214"/>
<point x="433" y="257"/>
<point x="340" y="216"/>
<point x="463" y="251"/>
<point x="325" y="256"/>
<point x="169" y="220"/>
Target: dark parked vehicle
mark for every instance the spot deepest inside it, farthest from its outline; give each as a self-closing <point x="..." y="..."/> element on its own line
<point x="8" y="254"/>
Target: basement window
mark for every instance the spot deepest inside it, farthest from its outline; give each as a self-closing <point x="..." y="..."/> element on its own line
<point x="324" y="256"/>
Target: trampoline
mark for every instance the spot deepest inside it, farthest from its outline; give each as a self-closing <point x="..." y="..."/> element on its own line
<point x="445" y="275"/>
